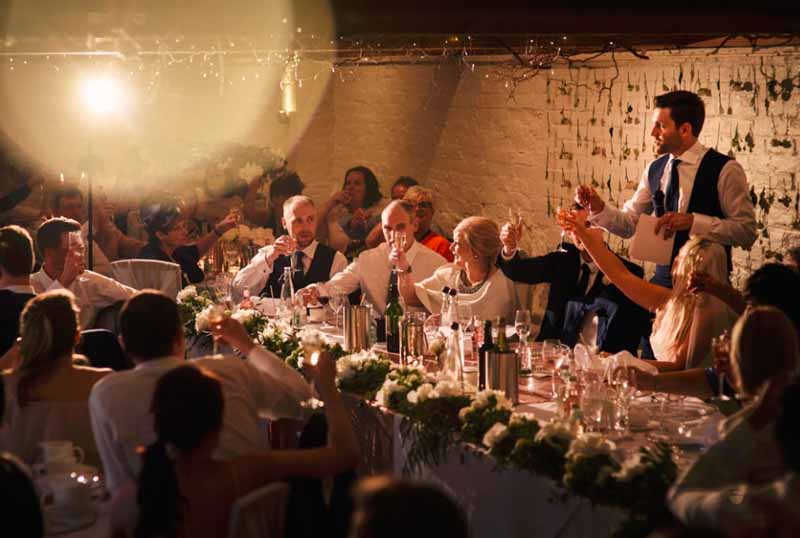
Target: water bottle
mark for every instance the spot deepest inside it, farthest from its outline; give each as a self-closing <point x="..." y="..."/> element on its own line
<point x="287" y="296"/>
<point x="444" y="312"/>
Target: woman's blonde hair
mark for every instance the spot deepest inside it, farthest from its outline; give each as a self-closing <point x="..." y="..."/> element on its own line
<point x="482" y="236"/>
<point x="764" y="346"/>
<point x="48" y="325"/>
<point x="675" y="318"/>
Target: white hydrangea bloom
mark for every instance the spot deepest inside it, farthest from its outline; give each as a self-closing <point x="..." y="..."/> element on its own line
<point x="186" y="294"/>
<point x="201" y="322"/>
<point x="495" y="434"/>
<point x="446" y="388"/>
<point x="481" y="399"/>
<point x="555" y="429"/>
<point x="518" y="419"/>
<point x="310" y="337"/>
<point x="424" y="392"/>
<point x="245" y="315"/>
<point x="590" y="444"/>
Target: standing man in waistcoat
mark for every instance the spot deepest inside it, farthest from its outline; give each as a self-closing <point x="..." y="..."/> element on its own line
<point x="693" y="190"/>
<point x="312" y="261"/>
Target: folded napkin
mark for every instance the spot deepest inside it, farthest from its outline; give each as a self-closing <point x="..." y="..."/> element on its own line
<point x="624" y="359"/>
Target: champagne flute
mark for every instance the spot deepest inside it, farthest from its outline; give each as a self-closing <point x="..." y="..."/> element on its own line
<point x="337" y="303"/>
<point x="559" y="211"/>
<point x="216" y="316"/>
<point x="549" y="354"/>
<point x="721" y="348"/>
<point x="522" y="325"/>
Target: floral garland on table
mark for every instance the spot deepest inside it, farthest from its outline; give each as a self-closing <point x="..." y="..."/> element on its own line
<point x="287" y="343"/>
<point x="193" y="308"/>
<point x="438" y="414"/>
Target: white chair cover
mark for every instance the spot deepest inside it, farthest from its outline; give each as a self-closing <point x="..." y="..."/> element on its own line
<point x="154" y="274"/>
<point x="260" y="513"/>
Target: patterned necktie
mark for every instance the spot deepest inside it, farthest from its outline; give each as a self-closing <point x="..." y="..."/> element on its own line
<point x="298" y="264"/>
<point x="673" y="187"/>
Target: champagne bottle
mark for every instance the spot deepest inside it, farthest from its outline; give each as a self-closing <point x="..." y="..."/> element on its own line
<point x="483" y="351"/>
<point x="393" y="316"/>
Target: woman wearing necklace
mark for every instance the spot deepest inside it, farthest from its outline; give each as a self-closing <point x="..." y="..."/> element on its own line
<point x="473" y="274"/>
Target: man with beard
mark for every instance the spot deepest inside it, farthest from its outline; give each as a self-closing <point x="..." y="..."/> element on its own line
<point x="693" y="190"/>
<point x="312" y="261"/>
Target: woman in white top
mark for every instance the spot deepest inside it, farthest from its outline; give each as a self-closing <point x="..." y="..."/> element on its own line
<point x="765" y="354"/>
<point x="47" y="396"/>
<point x="473" y="274"/>
<point x="685" y="321"/>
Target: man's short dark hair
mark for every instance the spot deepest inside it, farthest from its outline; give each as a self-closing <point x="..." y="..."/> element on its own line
<point x="48" y="235"/>
<point x="287" y="185"/>
<point x="16" y="251"/>
<point x="406" y="182"/>
<point x="778" y="285"/>
<point x="149" y="325"/>
<point x="684" y="107"/>
<point x="65" y="192"/>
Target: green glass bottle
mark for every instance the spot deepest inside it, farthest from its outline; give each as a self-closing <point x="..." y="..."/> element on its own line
<point x="502" y="343"/>
<point x="393" y="315"/>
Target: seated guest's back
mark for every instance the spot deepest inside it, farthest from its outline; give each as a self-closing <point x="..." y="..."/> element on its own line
<point x="184" y="491"/>
<point x="152" y="335"/>
<point x="20" y="511"/>
<point x="765" y="354"/>
<point x="378" y="515"/>
<point x="16" y="264"/>
<point x="46" y="397"/>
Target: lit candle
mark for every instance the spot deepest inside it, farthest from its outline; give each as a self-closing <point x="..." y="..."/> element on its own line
<point x="62" y="178"/>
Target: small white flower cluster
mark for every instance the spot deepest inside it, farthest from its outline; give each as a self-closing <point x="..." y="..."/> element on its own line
<point x="246" y="315"/>
<point x="187" y="294"/>
<point x="481" y="401"/>
<point x="201" y="322"/>
<point x="495" y="434"/>
<point x="555" y="429"/>
<point x="400" y="379"/>
<point x="389" y="387"/>
<point x="310" y="337"/>
<point x="518" y="419"/>
<point x="277" y="327"/>
<point x="589" y="445"/>
<point x="349" y="365"/>
<point x="257" y="236"/>
<point x="427" y="391"/>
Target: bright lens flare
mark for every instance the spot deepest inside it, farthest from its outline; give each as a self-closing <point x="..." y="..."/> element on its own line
<point x="102" y="95"/>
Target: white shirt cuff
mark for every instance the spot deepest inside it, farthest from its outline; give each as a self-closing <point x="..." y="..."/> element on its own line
<point x="701" y="224"/>
<point x="602" y="216"/>
<point x="507" y="258"/>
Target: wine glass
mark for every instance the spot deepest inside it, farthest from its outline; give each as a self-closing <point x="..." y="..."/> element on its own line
<point x="549" y="356"/>
<point x="559" y="212"/>
<point x="721" y="349"/>
<point x="337" y="303"/>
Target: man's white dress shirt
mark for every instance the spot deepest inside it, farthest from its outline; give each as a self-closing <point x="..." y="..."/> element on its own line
<point x="92" y="291"/>
<point x="371" y="270"/>
<point x="254" y="276"/>
<point x="262" y="386"/>
<point x="738" y="228"/>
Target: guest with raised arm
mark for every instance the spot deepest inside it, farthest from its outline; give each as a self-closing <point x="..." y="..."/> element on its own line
<point x="47" y="395"/>
<point x="474" y="275"/>
<point x="311" y="261"/>
<point x="422" y="199"/>
<point x="371" y="271"/>
<point x="283" y="187"/>
<point x="685" y="322"/>
<point x="582" y="304"/>
<point x="352" y="213"/>
<point x="692" y="189"/>
<point x="765" y="354"/>
<point x="185" y="491"/>
<point x="61" y="245"/>
<point x="168" y="239"/>
<point x="152" y="335"/>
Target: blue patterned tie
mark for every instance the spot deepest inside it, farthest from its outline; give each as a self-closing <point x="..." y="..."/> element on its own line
<point x="673" y="188"/>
